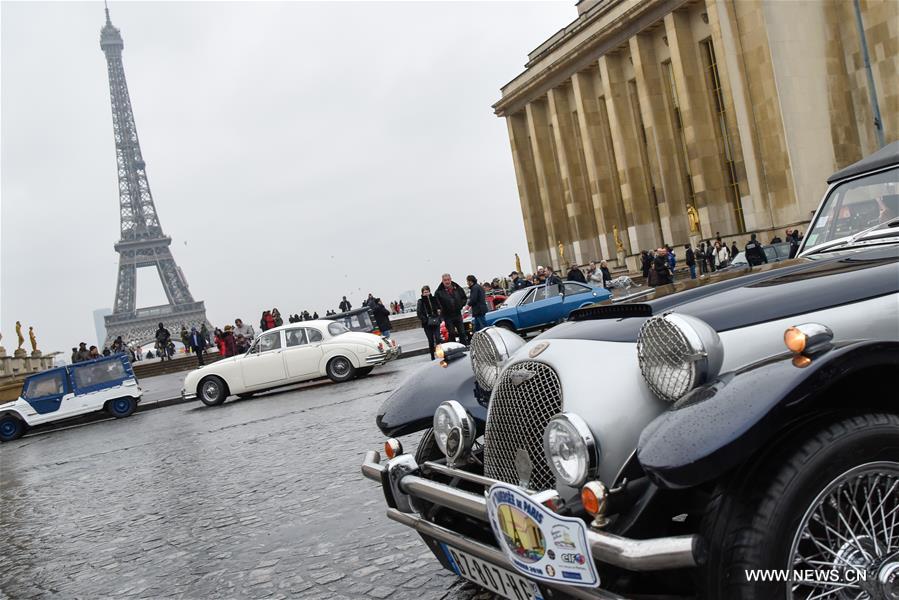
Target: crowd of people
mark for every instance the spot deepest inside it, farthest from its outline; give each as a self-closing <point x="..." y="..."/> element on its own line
<point x="659" y="265"/>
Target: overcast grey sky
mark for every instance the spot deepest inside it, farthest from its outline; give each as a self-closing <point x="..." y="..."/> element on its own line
<point x="296" y="151"/>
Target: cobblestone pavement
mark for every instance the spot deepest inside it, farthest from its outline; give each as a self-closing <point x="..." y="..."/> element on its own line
<point x="257" y="498"/>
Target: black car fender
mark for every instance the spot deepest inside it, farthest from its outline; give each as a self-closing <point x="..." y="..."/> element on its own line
<point x="411" y="406"/>
<point x="719" y="425"/>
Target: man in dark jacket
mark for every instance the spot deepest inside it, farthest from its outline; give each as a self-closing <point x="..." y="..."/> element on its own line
<point x="660" y="273"/>
<point x="197" y="344"/>
<point x="477" y="300"/>
<point x="345" y="305"/>
<point x="162" y="338"/>
<point x="452" y="299"/>
<point x="690" y="258"/>
<point x="382" y="316"/>
<point x="734" y="250"/>
<point x="575" y="274"/>
<point x="518" y="282"/>
<point x="754" y="253"/>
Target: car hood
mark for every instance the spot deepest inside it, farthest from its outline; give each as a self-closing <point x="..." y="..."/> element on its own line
<point x="766" y="293"/>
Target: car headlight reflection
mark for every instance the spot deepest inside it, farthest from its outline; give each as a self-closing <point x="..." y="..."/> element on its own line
<point x="454" y="430"/>
<point x="571" y="450"/>
<point x="677" y="353"/>
<point x="490" y="348"/>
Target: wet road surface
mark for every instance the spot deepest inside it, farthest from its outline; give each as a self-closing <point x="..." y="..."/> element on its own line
<point x="257" y="498"/>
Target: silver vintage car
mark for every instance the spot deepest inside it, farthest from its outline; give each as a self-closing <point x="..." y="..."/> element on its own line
<point x="728" y="439"/>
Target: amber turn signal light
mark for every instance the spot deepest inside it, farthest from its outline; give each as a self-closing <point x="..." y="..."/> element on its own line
<point x="393" y="447"/>
<point x="594" y="496"/>
<point x="795" y="340"/>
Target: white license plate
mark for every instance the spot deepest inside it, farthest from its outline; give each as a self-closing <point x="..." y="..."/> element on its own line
<point x="487" y="575"/>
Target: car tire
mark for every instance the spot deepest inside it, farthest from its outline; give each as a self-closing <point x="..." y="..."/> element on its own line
<point x="771" y="513"/>
<point x="121" y="407"/>
<point x="340" y="369"/>
<point x="212" y="391"/>
<point x="363" y="371"/>
<point x="11" y="428"/>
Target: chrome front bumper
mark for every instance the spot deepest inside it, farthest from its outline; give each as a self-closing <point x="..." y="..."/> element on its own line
<point x="384" y="357"/>
<point x="186" y="396"/>
<point x="400" y="475"/>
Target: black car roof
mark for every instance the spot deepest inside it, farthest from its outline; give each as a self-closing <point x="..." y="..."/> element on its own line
<point x="886" y="156"/>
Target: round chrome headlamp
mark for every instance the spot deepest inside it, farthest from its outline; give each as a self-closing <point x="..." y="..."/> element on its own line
<point x="677" y="353"/>
<point x="454" y="430"/>
<point x="490" y="348"/>
<point x="571" y="451"/>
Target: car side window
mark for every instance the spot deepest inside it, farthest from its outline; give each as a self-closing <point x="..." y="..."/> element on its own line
<point x="45" y="385"/>
<point x="266" y="342"/>
<point x="574" y="288"/>
<point x="314" y="335"/>
<point x="539" y="294"/>
<point x="295" y="337"/>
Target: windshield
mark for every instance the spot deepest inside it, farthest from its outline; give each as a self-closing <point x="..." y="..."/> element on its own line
<point x="516" y="297"/>
<point x="336" y="329"/>
<point x="855" y="206"/>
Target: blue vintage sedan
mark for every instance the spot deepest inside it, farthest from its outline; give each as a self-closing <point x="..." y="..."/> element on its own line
<point x="543" y="306"/>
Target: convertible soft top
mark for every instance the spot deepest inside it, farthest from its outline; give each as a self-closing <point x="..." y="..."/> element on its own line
<point x="886" y="156"/>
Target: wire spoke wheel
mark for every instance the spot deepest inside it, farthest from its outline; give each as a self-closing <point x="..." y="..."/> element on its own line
<point x="847" y="543"/>
<point x="211" y="390"/>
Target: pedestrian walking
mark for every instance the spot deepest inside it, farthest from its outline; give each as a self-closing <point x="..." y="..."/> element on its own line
<point x="722" y="255"/>
<point x="245" y="330"/>
<point x="452" y="299"/>
<point x="754" y="253"/>
<point x="382" y="317"/>
<point x="518" y="282"/>
<point x="428" y="311"/>
<point x="660" y="274"/>
<point x="645" y="263"/>
<point x="605" y="274"/>
<point x="734" y="250"/>
<point x="228" y="341"/>
<point x="477" y="301"/>
<point x="575" y="274"/>
<point x="184" y="339"/>
<point x="276" y="317"/>
<point x="702" y="259"/>
<point x="345" y="305"/>
<point x="74" y="355"/>
<point x="672" y="260"/>
<point x="793" y="238"/>
<point x="197" y="344"/>
<point x="163" y="338"/>
<point x="690" y="259"/>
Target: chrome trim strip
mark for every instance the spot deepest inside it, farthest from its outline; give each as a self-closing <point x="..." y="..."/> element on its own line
<point x="451" y="472"/>
<point x="486" y="553"/>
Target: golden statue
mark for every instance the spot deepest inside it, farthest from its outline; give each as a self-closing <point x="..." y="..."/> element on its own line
<point x="518" y="264"/>
<point x="19" y="333"/>
<point x="561" y="254"/>
<point x="619" y="245"/>
<point x="32" y="338"/>
<point x="693" y="217"/>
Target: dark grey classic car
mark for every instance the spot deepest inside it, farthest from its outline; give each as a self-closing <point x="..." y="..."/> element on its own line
<point x="735" y="438"/>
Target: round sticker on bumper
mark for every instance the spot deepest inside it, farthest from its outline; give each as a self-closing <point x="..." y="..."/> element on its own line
<point x="537" y="541"/>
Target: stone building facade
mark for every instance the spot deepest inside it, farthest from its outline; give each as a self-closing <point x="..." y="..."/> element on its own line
<point x="664" y="121"/>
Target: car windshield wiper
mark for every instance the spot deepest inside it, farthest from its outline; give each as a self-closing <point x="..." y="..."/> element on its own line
<point x="848" y="241"/>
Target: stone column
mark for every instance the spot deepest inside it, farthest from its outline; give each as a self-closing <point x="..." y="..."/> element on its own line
<point x="660" y="141"/>
<point x="722" y="20"/>
<point x="703" y="152"/>
<point x="581" y="223"/>
<point x="528" y="189"/>
<point x="640" y="226"/>
<point x="548" y="178"/>
<point x="602" y="172"/>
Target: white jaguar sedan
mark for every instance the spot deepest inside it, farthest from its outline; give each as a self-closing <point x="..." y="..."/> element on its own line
<point x="289" y="354"/>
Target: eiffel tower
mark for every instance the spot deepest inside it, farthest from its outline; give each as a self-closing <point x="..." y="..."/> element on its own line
<point x="142" y="242"/>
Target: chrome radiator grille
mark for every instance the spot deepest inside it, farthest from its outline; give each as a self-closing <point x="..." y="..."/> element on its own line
<point x="527" y="396"/>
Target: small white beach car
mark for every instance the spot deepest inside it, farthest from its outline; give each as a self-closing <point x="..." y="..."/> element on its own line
<point x="106" y="383"/>
<point x="290" y="354"/>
